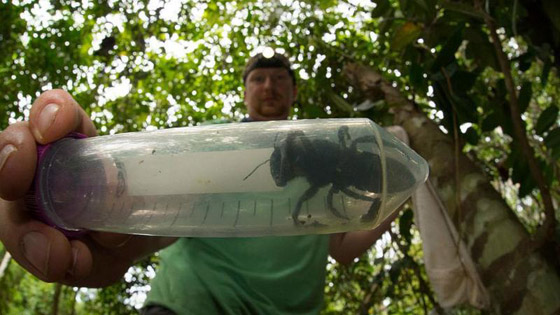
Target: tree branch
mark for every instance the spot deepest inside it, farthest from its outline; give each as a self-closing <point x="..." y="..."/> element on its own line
<point x="548" y="227"/>
<point x="456" y="157"/>
<point x="4" y="263"/>
<point x="56" y="298"/>
<point x="490" y="222"/>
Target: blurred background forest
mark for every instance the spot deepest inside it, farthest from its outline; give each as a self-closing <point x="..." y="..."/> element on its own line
<point x="474" y="83"/>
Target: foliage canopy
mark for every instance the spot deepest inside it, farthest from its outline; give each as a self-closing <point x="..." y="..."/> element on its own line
<point x="137" y="65"/>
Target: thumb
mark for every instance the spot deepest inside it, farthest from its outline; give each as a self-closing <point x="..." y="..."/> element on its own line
<point x="55" y="114"/>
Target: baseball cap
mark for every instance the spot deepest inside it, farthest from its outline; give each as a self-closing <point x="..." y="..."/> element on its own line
<point x="275" y="61"/>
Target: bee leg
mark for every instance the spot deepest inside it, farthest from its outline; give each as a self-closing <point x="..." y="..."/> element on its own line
<point x="310" y="192"/>
<point x="343" y="134"/>
<point x="372" y="213"/>
<point x="355" y="195"/>
<point x="331" y="206"/>
<point x="373" y="209"/>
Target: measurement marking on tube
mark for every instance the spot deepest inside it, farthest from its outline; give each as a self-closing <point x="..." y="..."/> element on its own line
<point x="166" y="213"/>
<point x="237" y="215"/>
<point x="177" y="214"/>
<point x="131" y="210"/>
<point x="153" y="211"/>
<point x="255" y="208"/>
<point x="151" y="215"/>
<point x="206" y="213"/>
<point x="192" y="209"/>
<point x="223" y="206"/>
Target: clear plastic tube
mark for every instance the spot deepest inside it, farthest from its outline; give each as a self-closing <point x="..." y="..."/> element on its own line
<point x="239" y="179"/>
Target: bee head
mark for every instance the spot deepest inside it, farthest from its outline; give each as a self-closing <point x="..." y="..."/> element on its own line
<point x="278" y="169"/>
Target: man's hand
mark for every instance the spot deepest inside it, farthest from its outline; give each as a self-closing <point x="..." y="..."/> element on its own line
<point x="96" y="260"/>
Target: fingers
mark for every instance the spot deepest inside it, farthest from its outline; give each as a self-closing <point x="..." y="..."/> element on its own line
<point x="101" y="264"/>
<point x="110" y="259"/>
<point x="82" y="262"/>
<point x="50" y="256"/>
<point x="95" y="260"/>
<point x="55" y="114"/>
<point x="18" y="157"/>
<point x="42" y="250"/>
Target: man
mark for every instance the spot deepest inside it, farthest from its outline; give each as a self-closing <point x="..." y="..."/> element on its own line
<point x="197" y="275"/>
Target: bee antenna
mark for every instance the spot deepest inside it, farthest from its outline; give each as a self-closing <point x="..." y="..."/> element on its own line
<point x="263" y="163"/>
<point x="276" y="140"/>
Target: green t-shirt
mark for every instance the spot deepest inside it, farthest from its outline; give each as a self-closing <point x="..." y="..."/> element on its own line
<point x="268" y="275"/>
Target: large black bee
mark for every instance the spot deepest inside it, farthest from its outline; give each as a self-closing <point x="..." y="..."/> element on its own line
<point x="343" y="166"/>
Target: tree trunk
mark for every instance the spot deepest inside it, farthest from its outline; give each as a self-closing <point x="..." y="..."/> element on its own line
<point x="519" y="279"/>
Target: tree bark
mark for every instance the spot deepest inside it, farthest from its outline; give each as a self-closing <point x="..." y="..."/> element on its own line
<point x="520" y="280"/>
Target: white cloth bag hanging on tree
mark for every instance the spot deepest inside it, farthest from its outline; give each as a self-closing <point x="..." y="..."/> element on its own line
<point x="450" y="269"/>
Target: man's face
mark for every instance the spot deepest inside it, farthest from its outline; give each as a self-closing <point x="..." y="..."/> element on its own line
<point x="269" y="93"/>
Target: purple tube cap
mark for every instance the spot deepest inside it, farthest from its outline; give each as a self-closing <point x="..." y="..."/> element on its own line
<point x="33" y="199"/>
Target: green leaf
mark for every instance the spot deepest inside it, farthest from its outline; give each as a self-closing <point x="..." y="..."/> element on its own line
<point x="555" y="154"/>
<point x="422" y="4"/>
<point x="312" y="111"/>
<point x="463" y="9"/>
<point x="447" y="53"/>
<point x="526" y="186"/>
<point x="471" y="136"/>
<point x="552" y="9"/>
<point x="406" y="34"/>
<point x="520" y="171"/>
<point x="525" y="95"/>
<point x="325" y="4"/>
<point x="341" y="104"/>
<point x="463" y="81"/>
<point x="525" y="61"/>
<point x="465" y="108"/>
<point x="415" y="76"/>
<point x="552" y="139"/>
<point x="546" y="119"/>
<point x="545" y="72"/>
<point x="382" y="8"/>
<point x="395" y="271"/>
<point x="405" y="223"/>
